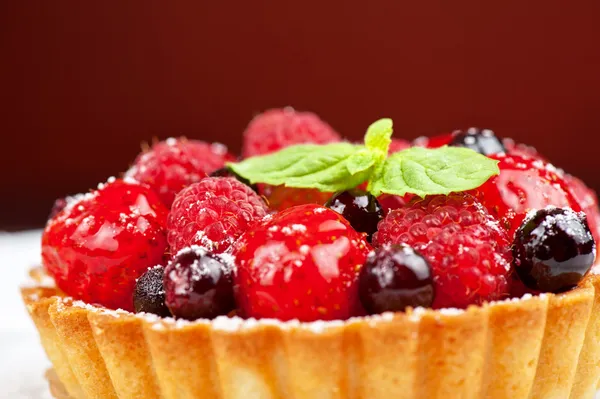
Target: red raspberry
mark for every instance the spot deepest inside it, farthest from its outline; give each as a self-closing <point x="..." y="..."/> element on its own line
<point x="101" y="242"/>
<point x="278" y="128"/>
<point x="171" y="165"/>
<point x="523" y="184"/>
<point x="398" y="145"/>
<point x="212" y="214"/>
<point x="302" y="263"/>
<point x="281" y="197"/>
<point x="522" y="150"/>
<point x="468" y="252"/>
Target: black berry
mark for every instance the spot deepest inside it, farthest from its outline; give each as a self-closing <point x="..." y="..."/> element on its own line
<point x="226" y="172"/>
<point x="393" y="278"/>
<point x="553" y="249"/>
<point x="149" y="295"/>
<point x="361" y="209"/>
<point x="198" y="285"/>
<point x="484" y="141"/>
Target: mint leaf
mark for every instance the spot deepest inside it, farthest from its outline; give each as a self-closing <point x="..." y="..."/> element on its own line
<point x="360" y="161"/>
<point x="324" y="167"/>
<point x="423" y="171"/>
<point x="379" y="136"/>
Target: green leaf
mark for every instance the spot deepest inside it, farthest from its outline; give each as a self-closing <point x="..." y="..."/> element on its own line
<point x="379" y="136"/>
<point x="360" y="161"/>
<point x="423" y="171"/>
<point x="324" y="167"/>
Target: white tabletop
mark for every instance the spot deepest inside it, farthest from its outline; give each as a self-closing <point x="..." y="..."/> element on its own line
<point x="22" y="360"/>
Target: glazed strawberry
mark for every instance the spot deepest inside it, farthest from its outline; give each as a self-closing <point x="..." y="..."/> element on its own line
<point x="281" y="197"/>
<point x="100" y="243"/>
<point x="587" y="199"/>
<point x="278" y="128"/>
<point x="171" y="165"/>
<point x="302" y="263"/>
<point x="523" y="184"/>
<point x="212" y="214"/>
<point x="468" y="252"/>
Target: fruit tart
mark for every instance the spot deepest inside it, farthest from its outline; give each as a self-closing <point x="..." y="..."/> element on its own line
<point x="457" y="266"/>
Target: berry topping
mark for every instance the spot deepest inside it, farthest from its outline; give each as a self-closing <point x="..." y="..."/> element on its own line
<point x="398" y="145"/>
<point x="198" y="284"/>
<point x="484" y="141"/>
<point x="171" y="165"/>
<point x="360" y="208"/>
<point x="553" y="249"/>
<point x="523" y="184"/>
<point x="101" y="242"/>
<point x="468" y="252"/>
<point x="213" y="213"/>
<point x="149" y="295"/>
<point x="278" y="128"/>
<point x="393" y="278"/>
<point x="57" y="207"/>
<point x="302" y="263"/>
<point x="226" y="172"/>
<point x="281" y="197"/>
<point x="588" y="200"/>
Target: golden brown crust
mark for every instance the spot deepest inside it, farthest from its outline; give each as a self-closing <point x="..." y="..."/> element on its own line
<point x="542" y="347"/>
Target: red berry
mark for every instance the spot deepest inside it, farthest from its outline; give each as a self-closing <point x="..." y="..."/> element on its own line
<point x="398" y="145"/>
<point x="171" y="165"/>
<point x="523" y="184"/>
<point x="213" y="213"/>
<point x="468" y="252"/>
<point x="278" y="128"/>
<point x="587" y="199"/>
<point x="302" y="263"/>
<point x="281" y="197"/>
<point x="522" y="150"/>
<point x="98" y="245"/>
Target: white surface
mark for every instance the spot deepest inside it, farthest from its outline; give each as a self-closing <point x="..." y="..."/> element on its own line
<point x="22" y="360"/>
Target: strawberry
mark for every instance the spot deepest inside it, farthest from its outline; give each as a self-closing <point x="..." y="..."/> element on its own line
<point x="523" y="184"/>
<point x="101" y="242"/>
<point x="302" y="263"/>
<point x="281" y="197"/>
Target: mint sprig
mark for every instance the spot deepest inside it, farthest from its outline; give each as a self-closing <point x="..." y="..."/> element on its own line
<point x="342" y="166"/>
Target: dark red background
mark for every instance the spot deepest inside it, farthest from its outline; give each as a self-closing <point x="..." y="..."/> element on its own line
<point x="82" y="83"/>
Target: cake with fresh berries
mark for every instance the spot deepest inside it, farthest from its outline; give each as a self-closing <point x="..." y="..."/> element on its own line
<point x="456" y="266"/>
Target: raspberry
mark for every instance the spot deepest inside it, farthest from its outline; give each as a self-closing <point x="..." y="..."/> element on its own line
<point x="101" y="242"/>
<point x="398" y="145"/>
<point x="523" y="184"/>
<point x="212" y="213"/>
<point x="281" y="197"/>
<point x="302" y="263"/>
<point x="278" y="128"/>
<point x="171" y="165"/>
<point x="468" y="252"/>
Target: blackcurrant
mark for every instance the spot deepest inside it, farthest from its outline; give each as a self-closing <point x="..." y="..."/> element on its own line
<point x="393" y="278"/>
<point x="360" y="208"/>
<point x="198" y="284"/>
<point x="553" y="249"/>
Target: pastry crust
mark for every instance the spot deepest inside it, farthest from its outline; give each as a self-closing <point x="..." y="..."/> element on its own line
<point x="544" y="347"/>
